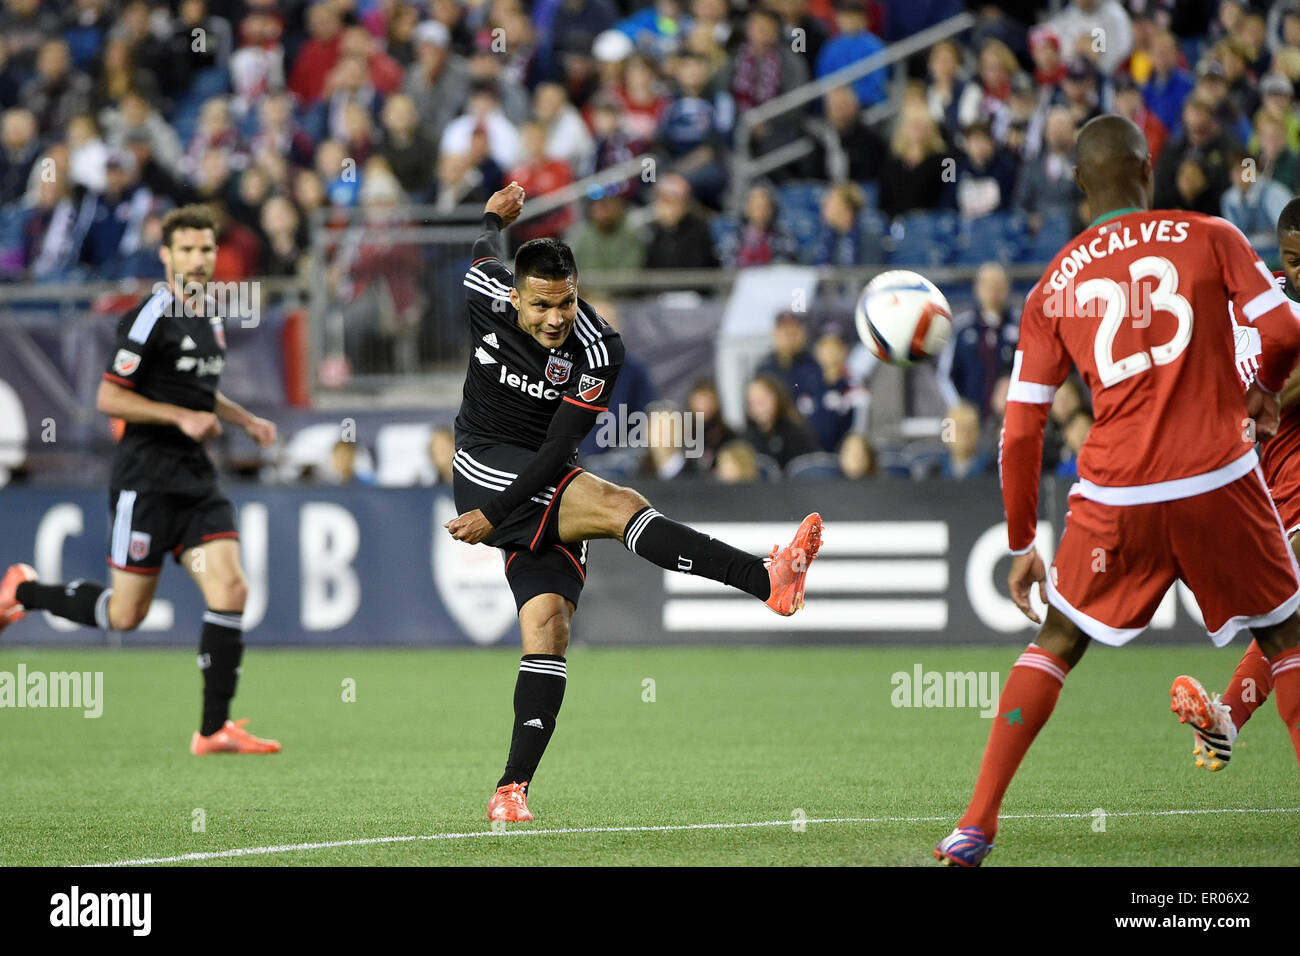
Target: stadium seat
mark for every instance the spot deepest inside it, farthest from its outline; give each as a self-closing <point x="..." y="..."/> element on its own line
<point x="815" y="465"/>
<point x="769" y="469"/>
<point x="725" y="231"/>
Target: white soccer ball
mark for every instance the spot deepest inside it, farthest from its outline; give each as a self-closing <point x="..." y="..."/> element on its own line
<point x="903" y="317"/>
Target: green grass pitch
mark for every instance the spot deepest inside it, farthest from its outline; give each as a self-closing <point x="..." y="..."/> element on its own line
<point x="732" y="736"/>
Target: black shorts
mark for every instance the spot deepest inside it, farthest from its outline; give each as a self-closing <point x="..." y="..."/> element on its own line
<point x="148" y="524"/>
<point x="537" y="561"/>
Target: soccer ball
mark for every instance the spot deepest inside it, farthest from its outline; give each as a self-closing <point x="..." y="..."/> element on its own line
<point x="903" y="317"/>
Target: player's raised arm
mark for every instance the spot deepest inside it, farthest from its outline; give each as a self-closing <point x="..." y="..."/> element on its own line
<point x="503" y="207"/>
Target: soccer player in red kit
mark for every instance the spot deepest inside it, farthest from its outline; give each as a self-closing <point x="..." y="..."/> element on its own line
<point x="1169" y="482"/>
<point x="1216" y="721"/>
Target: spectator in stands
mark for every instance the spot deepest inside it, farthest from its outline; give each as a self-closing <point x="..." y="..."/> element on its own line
<point x="216" y="133"/>
<point x="1020" y="127"/>
<point x="118" y="75"/>
<point x="861" y="147"/>
<point x="575" y="24"/>
<point x="1067" y="400"/>
<point x="347" y="466"/>
<point x="945" y="84"/>
<point x="239" y="250"/>
<point x="308" y="193"/>
<point x="911" y="176"/>
<point x="488" y="69"/>
<point x="1170" y="84"/>
<point x="839" y="236"/>
<point x="693" y="130"/>
<point x="1277" y="101"/>
<point x="1077" y="24"/>
<point x="254" y="186"/>
<point x="358" y="133"/>
<point x="773" y="426"/>
<point x="964" y="458"/>
<point x="53" y="226"/>
<point x="795" y="15"/>
<point x="142" y="263"/>
<point x="1243" y="90"/>
<point x="19" y="148"/>
<point x="318" y="55"/>
<point x="137" y="116"/>
<point x="10" y="79"/>
<point x="469" y="177"/>
<point x="280" y="133"/>
<point x="442" y="450"/>
<point x="1253" y="202"/>
<point x="120" y="211"/>
<point x="1193" y="169"/>
<point x="1049" y="64"/>
<point x="655" y="28"/>
<point x="1252" y="38"/>
<point x="1277" y="160"/>
<point x="858" y="458"/>
<point x="679" y="236"/>
<point x="539" y="175"/>
<point x="985" y="176"/>
<point x="58" y="91"/>
<point x="284" y="251"/>
<point x="843" y="404"/>
<point x="703" y="402"/>
<point x="257" y="67"/>
<point x="567" y="136"/>
<point x="347" y="83"/>
<point x="761" y="239"/>
<point x="612" y="143"/>
<point x="1130" y="104"/>
<point x="606" y="240"/>
<point x="408" y="149"/>
<point x="1212" y="87"/>
<point x="791" y="363"/>
<point x="762" y="69"/>
<point x="438" y="80"/>
<point x="483" y="112"/>
<point x="191" y="66"/>
<point x="164" y="184"/>
<point x="1045" y="186"/>
<point x="983" y="343"/>
<point x="26" y="25"/>
<point x="384" y="73"/>
<point x="852" y="43"/>
<point x="1081" y="91"/>
<point x="642" y="103"/>
<point x="737" y="463"/>
<point x="1076" y="433"/>
<point x="985" y="96"/>
<point x="87" y="153"/>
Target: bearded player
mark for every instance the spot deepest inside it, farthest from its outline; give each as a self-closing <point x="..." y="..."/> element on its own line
<point x="1216" y="721"/>
<point x="543" y="366"/>
<point x="163" y="497"/>
<point x="1169" y="481"/>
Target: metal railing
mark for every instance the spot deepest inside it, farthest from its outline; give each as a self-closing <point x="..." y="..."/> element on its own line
<point x="745" y="167"/>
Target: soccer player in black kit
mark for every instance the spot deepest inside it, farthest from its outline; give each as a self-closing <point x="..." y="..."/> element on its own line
<point x="542" y="367"/>
<point x="162" y="381"/>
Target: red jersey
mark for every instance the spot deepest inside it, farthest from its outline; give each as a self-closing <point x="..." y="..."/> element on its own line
<point x="1139" y="303"/>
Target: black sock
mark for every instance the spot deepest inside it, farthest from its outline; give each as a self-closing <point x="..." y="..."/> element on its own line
<point x="539" y="692"/>
<point x="82" y="601"/>
<point x="675" y="547"/>
<point x="221" y="647"/>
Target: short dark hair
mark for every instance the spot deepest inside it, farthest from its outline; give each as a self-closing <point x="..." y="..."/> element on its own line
<point x="194" y="216"/>
<point x="545" y="258"/>
<point x="1289" y="220"/>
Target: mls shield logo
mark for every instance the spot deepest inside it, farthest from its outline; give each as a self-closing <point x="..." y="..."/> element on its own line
<point x="139" y="547"/>
<point x="219" y="332"/>
<point x="125" y="362"/>
<point x="557" y="370"/>
<point x="589" y="388"/>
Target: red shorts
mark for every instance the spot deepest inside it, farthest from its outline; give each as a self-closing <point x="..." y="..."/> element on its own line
<point x="1115" y="562"/>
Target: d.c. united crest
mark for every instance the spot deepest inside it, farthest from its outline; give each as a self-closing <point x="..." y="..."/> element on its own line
<point x="557" y="370"/>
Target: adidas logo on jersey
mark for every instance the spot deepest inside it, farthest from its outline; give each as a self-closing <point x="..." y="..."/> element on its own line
<point x="491" y="339"/>
<point x="536" y="389"/>
<point x="483" y="357"/>
<point x="535" y="722"/>
<point x="187" y="343"/>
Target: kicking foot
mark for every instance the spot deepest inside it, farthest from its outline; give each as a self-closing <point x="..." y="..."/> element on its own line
<point x="232" y="739"/>
<point x="964" y="846"/>
<point x="10" y="610"/>
<point x="1212" y="728"/>
<point x="510" y="803"/>
<point x="787" y="567"/>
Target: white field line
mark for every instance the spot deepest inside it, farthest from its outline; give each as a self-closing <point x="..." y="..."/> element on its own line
<point x="374" y="841"/>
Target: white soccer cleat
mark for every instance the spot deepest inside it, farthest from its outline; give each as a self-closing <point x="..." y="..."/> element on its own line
<point x="1212" y="728"/>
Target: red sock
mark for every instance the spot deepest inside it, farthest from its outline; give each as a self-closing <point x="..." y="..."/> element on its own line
<point x="1286" y="682"/>
<point x="1027" y="700"/>
<point x="1250" y="686"/>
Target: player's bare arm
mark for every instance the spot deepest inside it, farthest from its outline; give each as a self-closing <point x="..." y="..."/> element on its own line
<point x="261" y="430"/>
<point x="123" y="403"/>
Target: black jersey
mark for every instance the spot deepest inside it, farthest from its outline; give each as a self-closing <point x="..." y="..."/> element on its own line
<point x="515" y="384"/>
<point x="176" y="358"/>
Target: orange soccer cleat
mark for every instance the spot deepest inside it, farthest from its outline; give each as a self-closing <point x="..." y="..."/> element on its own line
<point x="232" y="739"/>
<point x="10" y="609"/>
<point x="510" y="803"/>
<point x="787" y="567"/>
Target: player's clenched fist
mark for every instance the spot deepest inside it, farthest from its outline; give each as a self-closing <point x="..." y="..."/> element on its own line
<point x="1026" y="569"/>
<point x="1263" y="407"/>
<point x="471" y="527"/>
<point x="199" y="426"/>
<point x="261" y="431"/>
<point x="507" y="203"/>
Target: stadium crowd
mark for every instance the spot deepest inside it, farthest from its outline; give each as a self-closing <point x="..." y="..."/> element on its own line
<point x="113" y="111"/>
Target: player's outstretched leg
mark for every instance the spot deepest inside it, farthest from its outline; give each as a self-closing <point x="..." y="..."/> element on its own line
<point x="539" y="691"/>
<point x="1027" y="701"/>
<point x="216" y="570"/>
<point x="84" y="602"/>
<point x="1213" y="729"/>
<point x="595" y="508"/>
<point x="1281" y="643"/>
